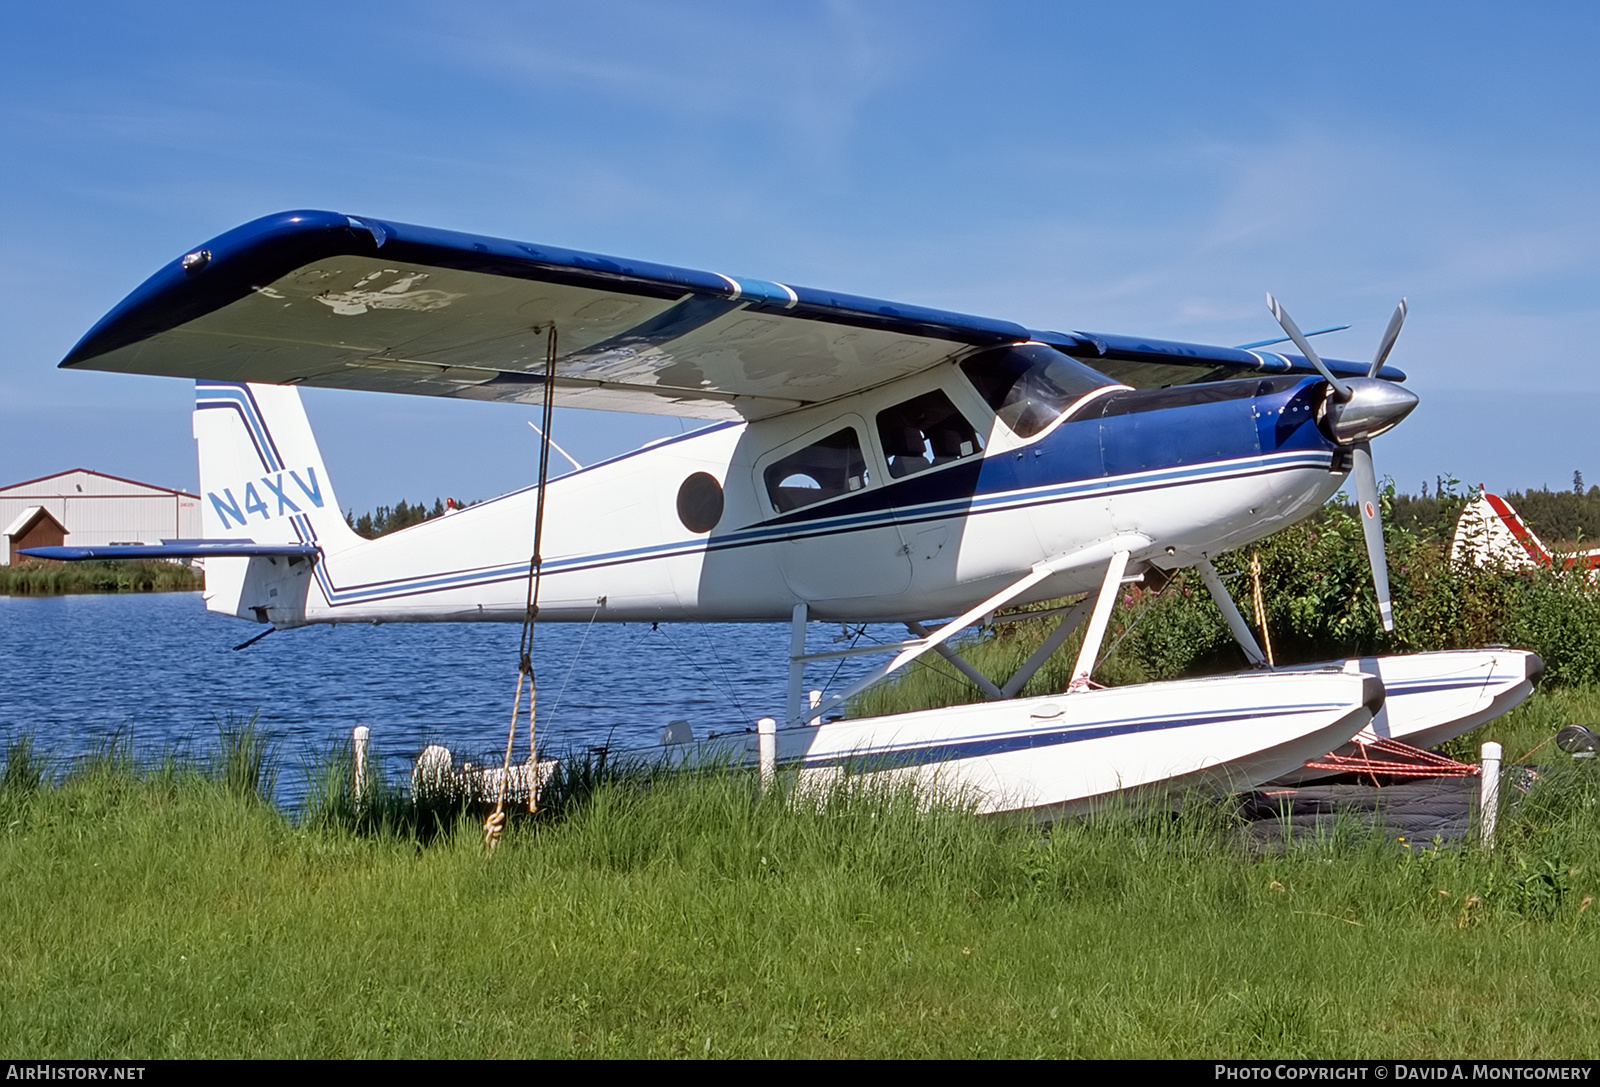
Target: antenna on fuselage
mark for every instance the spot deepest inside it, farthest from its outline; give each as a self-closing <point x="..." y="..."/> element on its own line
<point x="1286" y="339"/>
<point x="554" y="446"/>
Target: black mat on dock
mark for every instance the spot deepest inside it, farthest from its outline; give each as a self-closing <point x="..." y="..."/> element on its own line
<point x="1418" y="811"/>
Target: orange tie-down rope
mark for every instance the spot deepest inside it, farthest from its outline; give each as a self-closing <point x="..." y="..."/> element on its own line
<point x="1391" y="758"/>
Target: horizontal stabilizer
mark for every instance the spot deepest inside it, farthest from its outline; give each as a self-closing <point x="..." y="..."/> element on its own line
<point x="173" y="549"/>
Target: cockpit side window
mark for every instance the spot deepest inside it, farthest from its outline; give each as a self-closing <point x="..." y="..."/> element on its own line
<point x="1030" y="385"/>
<point x="924" y="432"/>
<point x="822" y="470"/>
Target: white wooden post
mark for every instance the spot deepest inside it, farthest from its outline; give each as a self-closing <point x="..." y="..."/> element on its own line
<point x="767" y="751"/>
<point x="1489" y="794"/>
<point x="360" y="743"/>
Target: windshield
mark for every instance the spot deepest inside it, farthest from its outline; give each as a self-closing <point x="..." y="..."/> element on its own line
<point x="1030" y="385"/>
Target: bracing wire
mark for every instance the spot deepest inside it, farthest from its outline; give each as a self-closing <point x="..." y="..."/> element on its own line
<point x="1137" y="619"/>
<point x="722" y="664"/>
<point x="576" y="656"/>
<point x="926" y="661"/>
<point x="724" y="691"/>
<point x="854" y="641"/>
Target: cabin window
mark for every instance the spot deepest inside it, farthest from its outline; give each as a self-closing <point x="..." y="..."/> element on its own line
<point x="924" y="432"/>
<point x="822" y="470"/>
<point x="1030" y="386"/>
<point x="700" y="502"/>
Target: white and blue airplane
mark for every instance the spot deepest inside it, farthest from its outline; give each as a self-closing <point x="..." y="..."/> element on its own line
<point x="865" y="461"/>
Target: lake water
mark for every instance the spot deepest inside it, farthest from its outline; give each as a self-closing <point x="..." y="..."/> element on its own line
<point x="159" y="672"/>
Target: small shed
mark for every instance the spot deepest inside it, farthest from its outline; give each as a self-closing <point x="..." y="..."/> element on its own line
<point x="33" y="527"/>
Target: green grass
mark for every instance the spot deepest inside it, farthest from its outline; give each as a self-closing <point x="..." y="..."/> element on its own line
<point x="160" y="912"/>
<point x="31" y="578"/>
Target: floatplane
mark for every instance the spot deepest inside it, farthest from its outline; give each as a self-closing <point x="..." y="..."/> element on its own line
<point x="865" y="461"/>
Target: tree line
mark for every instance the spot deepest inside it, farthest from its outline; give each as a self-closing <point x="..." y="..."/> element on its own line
<point x="1563" y="519"/>
<point x="387" y="519"/>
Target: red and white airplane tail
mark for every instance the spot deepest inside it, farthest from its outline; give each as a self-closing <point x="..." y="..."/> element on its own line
<point x="1491" y="532"/>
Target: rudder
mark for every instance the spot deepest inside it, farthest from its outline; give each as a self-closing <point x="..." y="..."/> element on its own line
<point x="261" y="473"/>
<point x="262" y="478"/>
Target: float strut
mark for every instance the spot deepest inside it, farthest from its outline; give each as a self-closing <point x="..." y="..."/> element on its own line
<point x="983" y="682"/>
<point x="1069" y="623"/>
<point x="797" y="665"/>
<point x="1097" y="622"/>
<point x="1039" y="573"/>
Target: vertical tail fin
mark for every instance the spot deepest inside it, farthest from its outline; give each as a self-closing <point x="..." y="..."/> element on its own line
<point x="261" y="473"/>
<point x="262" y="478"/>
<point x="1525" y="536"/>
<point x="1490" y="531"/>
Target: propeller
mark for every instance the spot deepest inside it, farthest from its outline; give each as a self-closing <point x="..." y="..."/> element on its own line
<point x="1361" y="409"/>
<point x="1305" y="347"/>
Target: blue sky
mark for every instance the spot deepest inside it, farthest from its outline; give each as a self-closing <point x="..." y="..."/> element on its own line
<point x="1138" y="168"/>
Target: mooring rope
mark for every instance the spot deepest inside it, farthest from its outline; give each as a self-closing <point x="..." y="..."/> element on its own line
<point x="1260" y="606"/>
<point x="496" y="822"/>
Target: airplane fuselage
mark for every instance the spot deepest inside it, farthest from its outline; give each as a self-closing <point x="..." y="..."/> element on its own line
<point x="741" y="522"/>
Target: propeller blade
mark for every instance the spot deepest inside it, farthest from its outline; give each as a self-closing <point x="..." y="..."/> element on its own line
<point x="1390" y="334"/>
<point x="1305" y="347"/>
<point x="1372" y="526"/>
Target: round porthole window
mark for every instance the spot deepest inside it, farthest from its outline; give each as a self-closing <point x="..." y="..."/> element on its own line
<point x="700" y="502"/>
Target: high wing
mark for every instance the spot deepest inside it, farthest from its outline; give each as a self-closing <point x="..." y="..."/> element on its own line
<point x="324" y="299"/>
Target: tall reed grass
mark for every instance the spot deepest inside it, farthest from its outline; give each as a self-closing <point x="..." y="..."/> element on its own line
<point x="33" y="578"/>
<point x="25" y="767"/>
<point x="245" y="762"/>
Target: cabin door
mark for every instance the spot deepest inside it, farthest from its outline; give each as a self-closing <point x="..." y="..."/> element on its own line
<point x="843" y="542"/>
